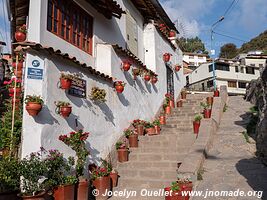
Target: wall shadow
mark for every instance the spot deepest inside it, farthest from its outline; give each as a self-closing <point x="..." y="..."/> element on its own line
<point x="129" y="78"/>
<point x="107" y="112"/>
<point x="140" y="85"/>
<point x="155" y="88"/>
<point x="74" y="123"/>
<point x="148" y="87"/>
<point x="45" y="117"/>
<point x="123" y="100"/>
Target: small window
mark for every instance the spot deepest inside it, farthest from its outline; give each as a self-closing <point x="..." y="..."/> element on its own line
<point x="191" y="57"/>
<point x="236" y="69"/>
<point x="242" y="85"/>
<point x="210" y="84"/>
<point x="252" y="65"/>
<point x="232" y="84"/>
<point x="250" y="70"/>
<point x="260" y="65"/>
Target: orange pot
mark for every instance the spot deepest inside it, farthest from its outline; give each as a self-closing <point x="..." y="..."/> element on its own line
<point x="123" y="155"/>
<point x="33" y="108"/>
<point x="168" y="110"/>
<point x="162" y="120"/>
<point x="65" y="192"/>
<point x="65" y="84"/>
<point x="65" y="111"/>
<point x="171" y="103"/>
<point x="210" y="100"/>
<point x="82" y="192"/>
<point x="40" y="196"/>
<point x="133" y="140"/>
<point x="179" y="103"/>
<point x="20" y="36"/>
<point x="102" y="184"/>
<point x="119" y="88"/>
<point x="183" y="95"/>
<point x="140" y="130"/>
<point x="151" y="131"/>
<point x="157" y="130"/>
<point x="114" y="179"/>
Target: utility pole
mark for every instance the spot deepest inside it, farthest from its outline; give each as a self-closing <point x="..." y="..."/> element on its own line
<point x="213" y="51"/>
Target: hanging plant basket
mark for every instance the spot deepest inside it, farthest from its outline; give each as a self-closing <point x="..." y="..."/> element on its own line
<point x="162" y="120"/>
<point x="166" y="57"/>
<point x="154" y="80"/>
<point x="216" y="93"/>
<point x="33" y="104"/>
<point x="147" y="77"/>
<point x="20" y="34"/>
<point x="63" y="108"/>
<point x="172" y="33"/>
<point x="126" y="65"/>
<point x="65" y="81"/>
<point x="114" y="178"/>
<point x="177" y="68"/>
<point x="119" y="86"/>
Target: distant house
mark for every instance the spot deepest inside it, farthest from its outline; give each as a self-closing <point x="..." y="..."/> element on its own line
<point x="194" y="59"/>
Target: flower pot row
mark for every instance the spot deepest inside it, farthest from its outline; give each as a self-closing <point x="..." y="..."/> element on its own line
<point x="175" y="191"/>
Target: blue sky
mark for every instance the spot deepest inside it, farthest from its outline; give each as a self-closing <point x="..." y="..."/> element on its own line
<point x="246" y="19"/>
<point x="4" y="25"/>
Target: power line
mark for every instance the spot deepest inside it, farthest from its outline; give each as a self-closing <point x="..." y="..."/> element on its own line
<point x="229" y="8"/>
<point x="235" y="38"/>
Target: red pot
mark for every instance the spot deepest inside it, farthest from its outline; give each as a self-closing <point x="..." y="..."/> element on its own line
<point x="20" y="37"/>
<point x="179" y="103"/>
<point x="126" y="66"/>
<point x="171" y="103"/>
<point x="151" y="131"/>
<point x="216" y="93"/>
<point x="172" y="34"/>
<point x="166" y="57"/>
<point x="210" y="100"/>
<point x="19" y="67"/>
<point x="114" y="179"/>
<point x="162" y="120"/>
<point x="65" y="84"/>
<point x="196" y="125"/>
<point x="102" y="184"/>
<point x="33" y="108"/>
<point x="65" y="111"/>
<point x="65" y="192"/>
<point x="123" y="155"/>
<point x="140" y="129"/>
<point x="119" y="88"/>
<point x="82" y="192"/>
<point x="183" y="95"/>
<point x="207" y="113"/>
<point x="168" y="110"/>
<point x="133" y="140"/>
<point x="177" y="68"/>
<point x="154" y="80"/>
<point x="173" y="195"/>
<point x="147" y="78"/>
<point x="157" y="130"/>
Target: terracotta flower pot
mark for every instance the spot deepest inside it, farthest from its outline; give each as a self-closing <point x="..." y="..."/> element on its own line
<point x="166" y="57"/>
<point x="151" y="131"/>
<point x="126" y="66"/>
<point x="179" y="103"/>
<point x="18" y="73"/>
<point x="173" y="195"/>
<point x="177" y="68"/>
<point x="172" y="34"/>
<point x="114" y="179"/>
<point x="40" y="196"/>
<point x="19" y="67"/>
<point x="140" y="130"/>
<point x="162" y="120"/>
<point x="210" y="100"/>
<point x="82" y="192"/>
<point x="147" y="78"/>
<point x="154" y="80"/>
<point x="171" y="103"/>
<point x="123" y="155"/>
<point x="216" y="93"/>
<point x="102" y="184"/>
<point x="133" y="140"/>
<point x="119" y="88"/>
<point x="183" y="95"/>
<point x="207" y="113"/>
<point x="168" y="110"/>
<point x="157" y="130"/>
<point x="65" y="192"/>
<point x="20" y="36"/>
<point x="33" y="108"/>
<point x="65" y="111"/>
<point x="65" y="84"/>
<point x="196" y="125"/>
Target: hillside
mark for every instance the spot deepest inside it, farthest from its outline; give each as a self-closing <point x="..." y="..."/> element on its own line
<point x="257" y="43"/>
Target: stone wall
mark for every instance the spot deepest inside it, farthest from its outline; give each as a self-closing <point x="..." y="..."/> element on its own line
<point x="257" y="95"/>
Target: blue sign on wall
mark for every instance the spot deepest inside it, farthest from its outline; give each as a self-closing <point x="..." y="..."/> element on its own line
<point x="34" y="73"/>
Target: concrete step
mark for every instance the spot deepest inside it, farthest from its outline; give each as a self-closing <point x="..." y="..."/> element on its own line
<point x="148" y="149"/>
<point x="149" y="164"/>
<point x="135" y="156"/>
<point x="144" y="182"/>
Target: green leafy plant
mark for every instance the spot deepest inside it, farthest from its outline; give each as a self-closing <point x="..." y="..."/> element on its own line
<point x="119" y="83"/>
<point x="197" y="118"/>
<point x="138" y="122"/>
<point x="175" y="186"/>
<point x="100" y="171"/>
<point x="245" y="134"/>
<point x="98" y="94"/>
<point x="66" y="76"/>
<point x="62" y="103"/>
<point x="76" y="141"/>
<point x="33" y="99"/>
<point x="120" y="145"/>
<point x="136" y="71"/>
<point x="156" y="122"/>
<point x="205" y="105"/>
<point x="225" y="108"/>
<point x="128" y="132"/>
<point x="149" y="125"/>
<point x="23" y="28"/>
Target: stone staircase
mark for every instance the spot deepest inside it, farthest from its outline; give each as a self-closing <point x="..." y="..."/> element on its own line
<point x="153" y="165"/>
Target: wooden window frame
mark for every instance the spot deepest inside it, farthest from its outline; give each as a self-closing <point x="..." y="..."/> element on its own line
<point x="232" y="84"/>
<point x="84" y="32"/>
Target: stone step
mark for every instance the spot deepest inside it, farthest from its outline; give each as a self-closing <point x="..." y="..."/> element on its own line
<point x="135" y="156"/>
<point x="149" y="164"/>
<point x="132" y="182"/>
<point x="148" y="149"/>
<point x="179" y="126"/>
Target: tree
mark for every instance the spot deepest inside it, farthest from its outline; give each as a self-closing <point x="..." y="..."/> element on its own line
<point x="229" y="51"/>
<point x="192" y="45"/>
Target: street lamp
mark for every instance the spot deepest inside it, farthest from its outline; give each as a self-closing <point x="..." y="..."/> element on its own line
<point x="213" y="51"/>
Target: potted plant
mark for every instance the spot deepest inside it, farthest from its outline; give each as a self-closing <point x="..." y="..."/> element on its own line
<point x="156" y="124"/>
<point x="76" y="141"/>
<point x="183" y="94"/>
<point x="166" y="57"/>
<point x="33" y="104"/>
<point x="170" y="99"/>
<point x="33" y="170"/>
<point x="66" y="190"/>
<point x="177" y="68"/>
<point x="150" y="128"/>
<point x="162" y="119"/>
<point x="166" y="106"/>
<point x="172" y="33"/>
<point x="180" y="103"/>
<point x="216" y="93"/>
<point x="147" y="76"/>
<point x="119" y="86"/>
<point x="173" y="192"/>
<point x="20" y="34"/>
<point x="162" y="27"/>
<point x="122" y="151"/>
<point x="63" y="108"/>
<point x="65" y="81"/>
<point x="154" y="79"/>
<point x="196" y="123"/>
<point x="9" y="178"/>
<point x="13" y="85"/>
<point x="126" y="65"/>
<point x="207" y="109"/>
<point x="132" y="137"/>
<point x="136" y="72"/>
<point x="139" y="126"/>
<point x="210" y="100"/>
<point x="185" y="183"/>
<point x="101" y="178"/>
<point x="98" y="95"/>
<point x="114" y="175"/>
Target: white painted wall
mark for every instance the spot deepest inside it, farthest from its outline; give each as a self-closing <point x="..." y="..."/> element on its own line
<point x="196" y="59"/>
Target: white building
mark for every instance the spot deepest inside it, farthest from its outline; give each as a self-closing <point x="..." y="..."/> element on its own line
<point x="233" y="73"/>
<point x="93" y="38"/>
<point x="194" y="59"/>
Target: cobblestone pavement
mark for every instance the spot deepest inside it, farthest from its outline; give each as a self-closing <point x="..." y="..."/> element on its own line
<point x="231" y="164"/>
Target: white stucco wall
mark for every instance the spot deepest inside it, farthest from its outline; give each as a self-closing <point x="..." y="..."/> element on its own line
<point x="196" y="60"/>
